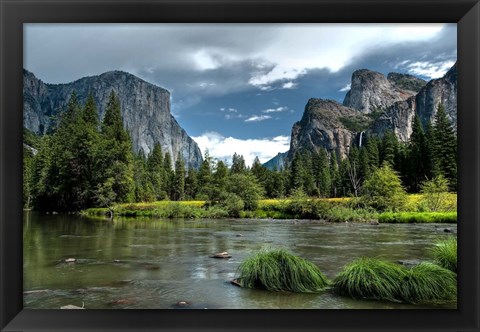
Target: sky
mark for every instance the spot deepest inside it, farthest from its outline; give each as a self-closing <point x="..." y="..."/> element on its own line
<point x="240" y="87"/>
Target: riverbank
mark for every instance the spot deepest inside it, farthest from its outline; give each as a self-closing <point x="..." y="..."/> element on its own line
<point x="328" y="209"/>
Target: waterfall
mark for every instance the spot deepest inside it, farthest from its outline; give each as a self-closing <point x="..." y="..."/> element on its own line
<point x="360" y="141"/>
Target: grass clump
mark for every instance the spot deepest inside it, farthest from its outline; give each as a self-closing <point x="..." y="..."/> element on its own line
<point x="280" y="270"/>
<point x="371" y="278"/>
<point x="445" y="253"/>
<point x="428" y="282"/>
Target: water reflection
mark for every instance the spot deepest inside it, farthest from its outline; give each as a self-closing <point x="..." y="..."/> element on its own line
<point x="153" y="263"/>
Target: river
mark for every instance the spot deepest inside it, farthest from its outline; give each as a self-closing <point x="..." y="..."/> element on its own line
<point x="155" y="264"/>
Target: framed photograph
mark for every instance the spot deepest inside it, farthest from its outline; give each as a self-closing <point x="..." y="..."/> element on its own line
<point x="301" y="165"/>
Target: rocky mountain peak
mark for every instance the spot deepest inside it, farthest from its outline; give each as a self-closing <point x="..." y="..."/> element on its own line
<point x="371" y="91"/>
<point x="439" y="91"/>
<point x="326" y="124"/>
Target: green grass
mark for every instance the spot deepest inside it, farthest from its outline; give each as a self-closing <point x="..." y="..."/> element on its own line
<point x="418" y="217"/>
<point x="372" y="279"/>
<point x="280" y="270"/>
<point x="375" y="279"/>
<point x="428" y="282"/>
<point x="445" y="253"/>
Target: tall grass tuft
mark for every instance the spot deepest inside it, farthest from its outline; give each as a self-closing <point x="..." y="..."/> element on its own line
<point x="371" y="278"/>
<point x="280" y="270"/>
<point x="428" y="282"/>
<point x="445" y="253"/>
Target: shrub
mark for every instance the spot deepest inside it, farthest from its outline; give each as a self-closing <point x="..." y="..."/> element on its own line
<point x="435" y="194"/>
<point x="280" y="270"/>
<point x="371" y="278"/>
<point x="232" y="204"/>
<point x="445" y="253"/>
<point x="383" y="190"/>
<point x="247" y="187"/>
<point x="428" y="282"/>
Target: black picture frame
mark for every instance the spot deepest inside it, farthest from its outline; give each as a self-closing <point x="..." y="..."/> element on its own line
<point x="466" y="13"/>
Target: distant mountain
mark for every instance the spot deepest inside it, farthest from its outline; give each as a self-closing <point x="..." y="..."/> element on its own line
<point x="277" y="162"/>
<point x="145" y="110"/>
<point x="373" y="105"/>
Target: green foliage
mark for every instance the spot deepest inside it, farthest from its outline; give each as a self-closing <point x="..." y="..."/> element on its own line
<point x="389" y="148"/>
<point x="428" y="282"/>
<point x="444" y="148"/>
<point x="445" y="253"/>
<point x="116" y="154"/>
<point x="371" y="278"/>
<point x="418" y="217"/>
<point x="280" y="270"/>
<point x="156" y="172"/>
<point x="179" y="179"/>
<point x="418" y="164"/>
<point x="238" y="164"/>
<point x="383" y="190"/>
<point x="144" y="191"/>
<point x="435" y="193"/>
<point x="246" y="187"/>
<point x="231" y="203"/>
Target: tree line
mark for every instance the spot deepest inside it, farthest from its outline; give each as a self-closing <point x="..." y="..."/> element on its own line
<point x="84" y="162"/>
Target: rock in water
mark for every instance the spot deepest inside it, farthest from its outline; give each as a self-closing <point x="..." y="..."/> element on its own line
<point x="145" y="110"/>
<point x="71" y="306"/>
<point x="222" y="255"/>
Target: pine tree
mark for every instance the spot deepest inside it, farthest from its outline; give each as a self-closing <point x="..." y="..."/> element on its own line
<point x="90" y="112"/>
<point x="323" y="176"/>
<point x="308" y="177"/>
<point x="373" y="153"/>
<point x="335" y="175"/>
<point x="116" y="159"/>
<point x="144" y="191"/>
<point x="205" y="176"/>
<point x="445" y="147"/>
<point x="259" y="171"/>
<point x="417" y="165"/>
<point x="191" y="184"/>
<point x="169" y="174"/>
<point x="238" y="164"/>
<point x="297" y="170"/>
<point x="433" y="166"/>
<point x="389" y="148"/>
<point x="156" y="173"/>
<point x="179" y="179"/>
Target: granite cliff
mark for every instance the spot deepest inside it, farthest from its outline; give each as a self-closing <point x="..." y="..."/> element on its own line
<point x="145" y="110"/>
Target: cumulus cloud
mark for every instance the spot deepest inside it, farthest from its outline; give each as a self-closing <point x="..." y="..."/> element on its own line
<point x="223" y="148"/>
<point x="257" y="118"/>
<point x="289" y="85"/>
<point x="430" y="69"/>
